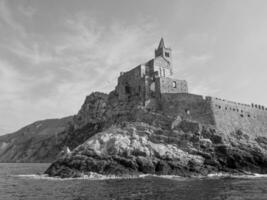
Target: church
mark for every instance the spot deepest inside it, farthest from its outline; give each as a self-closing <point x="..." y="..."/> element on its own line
<point x="151" y="79"/>
<point x="153" y="82"/>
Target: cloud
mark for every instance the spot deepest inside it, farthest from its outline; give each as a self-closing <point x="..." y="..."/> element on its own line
<point x="50" y="76"/>
<point x="204" y="58"/>
<point x="27" y="10"/>
<point x="7" y="17"/>
<point x="30" y="51"/>
<point x="101" y="51"/>
<point x="9" y="79"/>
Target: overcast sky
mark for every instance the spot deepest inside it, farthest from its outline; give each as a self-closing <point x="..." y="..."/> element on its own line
<point x="55" y="52"/>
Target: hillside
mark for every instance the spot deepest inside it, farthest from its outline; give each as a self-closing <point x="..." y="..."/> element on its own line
<point x="37" y="142"/>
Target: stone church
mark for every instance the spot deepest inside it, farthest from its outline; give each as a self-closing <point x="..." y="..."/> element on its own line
<point x="151" y="79"/>
<point x="153" y="82"/>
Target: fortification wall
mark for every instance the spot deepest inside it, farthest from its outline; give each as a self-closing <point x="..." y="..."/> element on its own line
<point x="231" y="116"/>
<point x="188" y="106"/>
<point x="227" y="116"/>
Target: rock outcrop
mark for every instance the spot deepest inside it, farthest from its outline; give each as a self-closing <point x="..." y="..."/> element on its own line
<point x="139" y="148"/>
<point x="43" y="141"/>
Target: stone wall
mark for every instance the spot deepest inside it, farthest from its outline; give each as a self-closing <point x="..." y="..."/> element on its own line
<point x="231" y="116"/>
<point x="227" y="116"/>
<point x="162" y="67"/>
<point x="188" y="106"/>
<point x="169" y="85"/>
<point x="131" y="83"/>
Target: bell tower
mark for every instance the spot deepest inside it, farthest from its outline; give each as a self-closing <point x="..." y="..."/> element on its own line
<point x="164" y="52"/>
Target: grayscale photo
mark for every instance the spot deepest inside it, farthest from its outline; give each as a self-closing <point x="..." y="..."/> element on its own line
<point x="133" y="100"/>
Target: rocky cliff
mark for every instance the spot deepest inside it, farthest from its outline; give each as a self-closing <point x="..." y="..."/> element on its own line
<point x="187" y="149"/>
<point x="134" y="138"/>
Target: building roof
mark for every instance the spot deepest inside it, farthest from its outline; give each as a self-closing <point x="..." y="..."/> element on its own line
<point x="161" y="44"/>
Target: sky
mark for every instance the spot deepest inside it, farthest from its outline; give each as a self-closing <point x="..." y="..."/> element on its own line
<point x="55" y="52"/>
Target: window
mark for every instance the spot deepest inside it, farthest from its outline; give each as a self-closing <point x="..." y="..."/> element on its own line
<point x="164" y="72"/>
<point x="174" y="84"/>
<point x="187" y="111"/>
<point x="167" y="54"/>
<point x="127" y="89"/>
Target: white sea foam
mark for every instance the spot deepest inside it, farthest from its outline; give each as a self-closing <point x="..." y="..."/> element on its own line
<point x="90" y="176"/>
<point x="96" y="176"/>
<point x="228" y="175"/>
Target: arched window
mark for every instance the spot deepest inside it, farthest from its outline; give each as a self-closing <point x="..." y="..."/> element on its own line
<point x="187" y="111"/>
<point x="174" y="84"/>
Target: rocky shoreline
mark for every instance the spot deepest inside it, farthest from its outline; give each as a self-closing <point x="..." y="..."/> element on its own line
<point x="186" y="149"/>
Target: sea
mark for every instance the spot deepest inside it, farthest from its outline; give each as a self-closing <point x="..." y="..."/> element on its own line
<point x="26" y="182"/>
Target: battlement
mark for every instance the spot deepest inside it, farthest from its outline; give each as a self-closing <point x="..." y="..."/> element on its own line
<point x="236" y="106"/>
<point x="230" y="116"/>
<point x="153" y="80"/>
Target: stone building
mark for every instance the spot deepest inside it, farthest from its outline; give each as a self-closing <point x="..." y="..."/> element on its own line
<point x="151" y="79"/>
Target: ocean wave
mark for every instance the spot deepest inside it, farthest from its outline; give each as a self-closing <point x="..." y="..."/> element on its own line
<point x="96" y="176"/>
<point x="228" y="175"/>
<point x="90" y="176"/>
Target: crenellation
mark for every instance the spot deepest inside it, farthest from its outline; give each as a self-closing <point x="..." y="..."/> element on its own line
<point x="153" y="80"/>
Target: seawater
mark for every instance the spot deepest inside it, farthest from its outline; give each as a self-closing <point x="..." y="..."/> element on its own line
<point x="26" y="182"/>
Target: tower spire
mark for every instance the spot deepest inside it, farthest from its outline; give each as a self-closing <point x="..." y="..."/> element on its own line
<point x="161" y="43"/>
<point x="163" y="51"/>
